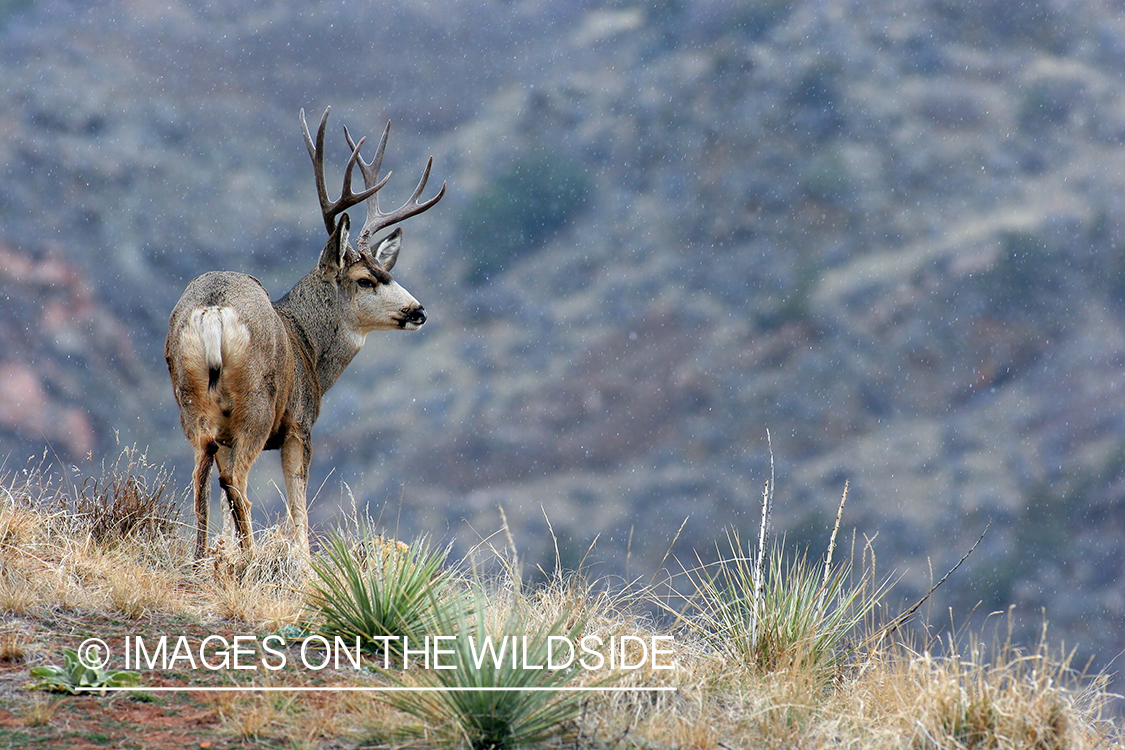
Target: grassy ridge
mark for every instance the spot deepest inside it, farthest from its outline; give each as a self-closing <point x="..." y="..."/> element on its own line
<point x="770" y="650"/>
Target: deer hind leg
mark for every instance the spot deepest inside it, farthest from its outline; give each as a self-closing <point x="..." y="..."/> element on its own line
<point x="233" y="476"/>
<point x="296" y="454"/>
<point x="222" y="459"/>
<point x="201" y="487"/>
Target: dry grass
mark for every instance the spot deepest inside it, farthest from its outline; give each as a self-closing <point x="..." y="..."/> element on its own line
<point x="976" y="696"/>
<point x="39" y="710"/>
<point x="14" y="648"/>
<point x="256" y="717"/>
<point x="75" y="573"/>
<point x="129" y="499"/>
<point x="890" y="693"/>
<point x="264" y="587"/>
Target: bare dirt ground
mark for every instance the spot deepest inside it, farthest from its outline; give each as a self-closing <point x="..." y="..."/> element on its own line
<point x="156" y="719"/>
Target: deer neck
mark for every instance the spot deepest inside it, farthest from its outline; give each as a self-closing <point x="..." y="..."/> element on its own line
<point x="314" y="316"/>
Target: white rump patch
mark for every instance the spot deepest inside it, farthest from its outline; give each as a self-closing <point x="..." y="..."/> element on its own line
<point x="221" y="334"/>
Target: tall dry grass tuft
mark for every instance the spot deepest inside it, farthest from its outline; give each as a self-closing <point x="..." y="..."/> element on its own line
<point x="15" y="647"/>
<point x="29" y="513"/>
<point x="22" y="535"/>
<point x="977" y="696"/>
<point x="250" y="717"/>
<point x="21" y="527"/>
<point x="39" y="710"/>
<point x="128" y="500"/>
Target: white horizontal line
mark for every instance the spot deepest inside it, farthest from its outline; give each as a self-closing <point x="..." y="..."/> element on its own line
<point x="350" y="689"/>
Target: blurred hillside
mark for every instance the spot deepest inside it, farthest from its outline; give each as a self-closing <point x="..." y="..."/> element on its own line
<point x="891" y="232"/>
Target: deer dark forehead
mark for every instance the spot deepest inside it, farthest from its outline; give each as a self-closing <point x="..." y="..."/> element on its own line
<point x="372" y="267"/>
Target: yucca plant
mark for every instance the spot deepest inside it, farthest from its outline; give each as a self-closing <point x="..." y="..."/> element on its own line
<point x="490" y="700"/>
<point x="797" y="618"/>
<point x="789" y="613"/>
<point x="375" y="588"/>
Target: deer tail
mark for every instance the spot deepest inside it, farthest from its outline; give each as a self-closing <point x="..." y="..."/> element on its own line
<point x="211" y="331"/>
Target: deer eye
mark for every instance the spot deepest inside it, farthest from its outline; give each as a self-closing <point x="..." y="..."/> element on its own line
<point x="366" y="283"/>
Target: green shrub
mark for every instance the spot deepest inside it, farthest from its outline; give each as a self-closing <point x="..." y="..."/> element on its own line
<point x="756" y="20"/>
<point x="1027" y="278"/>
<point x="520" y="211"/>
<point x="826" y="176"/>
<point x="1046" y="104"/>
<point x="11" y="8"/>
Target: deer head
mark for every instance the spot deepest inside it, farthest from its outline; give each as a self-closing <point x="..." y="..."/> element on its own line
<point x="374" y="300"/>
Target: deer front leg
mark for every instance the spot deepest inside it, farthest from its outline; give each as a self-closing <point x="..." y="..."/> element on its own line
<point x="296" y="454"/>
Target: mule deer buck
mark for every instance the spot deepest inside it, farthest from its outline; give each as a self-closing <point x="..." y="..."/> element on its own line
<point x="249" y="374"/>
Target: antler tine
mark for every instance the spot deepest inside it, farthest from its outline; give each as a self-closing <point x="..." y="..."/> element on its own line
<point x="316" y="153"/>
<point x="371" y="181"/>
<point x="370" y="169"/>
<point x="376" y="219"/>
<point x="331" y="209"/>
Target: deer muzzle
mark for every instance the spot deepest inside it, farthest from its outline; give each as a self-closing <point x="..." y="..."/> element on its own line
<point x="413" y="317"/>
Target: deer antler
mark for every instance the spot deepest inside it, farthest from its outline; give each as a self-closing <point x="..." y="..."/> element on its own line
<point x="328" y="208"/>
<point x="376" y="219"/>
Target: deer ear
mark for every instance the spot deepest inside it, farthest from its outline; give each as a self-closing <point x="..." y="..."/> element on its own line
<point x="333" y="257"/>
<point x="387" y="251"/>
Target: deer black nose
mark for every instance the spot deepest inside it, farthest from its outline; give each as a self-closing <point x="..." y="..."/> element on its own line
<point x="417" y="316"/>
